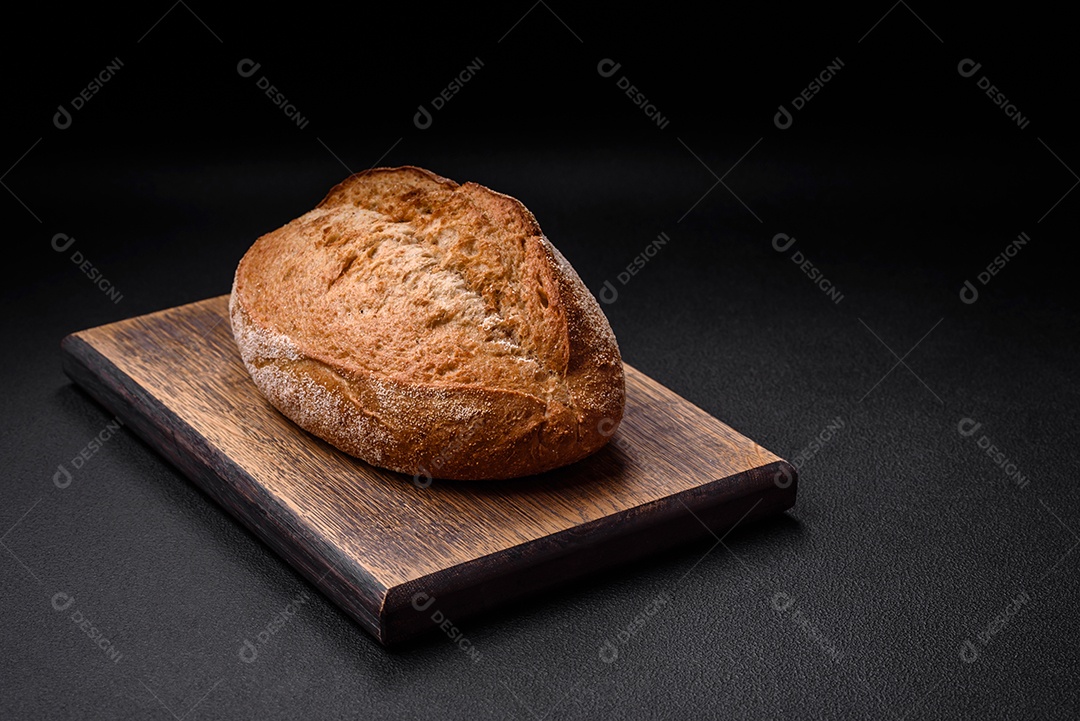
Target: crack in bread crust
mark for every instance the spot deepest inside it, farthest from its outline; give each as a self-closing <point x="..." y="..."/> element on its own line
<point x="407" y="312"/>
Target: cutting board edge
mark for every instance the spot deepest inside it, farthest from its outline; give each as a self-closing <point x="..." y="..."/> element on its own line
<point x="329" y="570"/>
<point x="670" y="522"/>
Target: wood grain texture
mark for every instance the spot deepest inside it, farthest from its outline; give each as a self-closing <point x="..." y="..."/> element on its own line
<point x="371" y="539"/>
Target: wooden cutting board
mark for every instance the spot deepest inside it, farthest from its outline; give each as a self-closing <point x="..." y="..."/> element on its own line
<point x="401" y="554"/>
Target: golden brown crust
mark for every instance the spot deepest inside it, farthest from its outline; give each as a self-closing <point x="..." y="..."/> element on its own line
<point x="429" y="328"/>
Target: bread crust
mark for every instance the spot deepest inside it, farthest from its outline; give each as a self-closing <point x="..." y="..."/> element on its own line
<point x="458" y="406"/>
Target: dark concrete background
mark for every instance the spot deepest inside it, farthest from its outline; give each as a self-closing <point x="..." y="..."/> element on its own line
<point x="915" y="578"/>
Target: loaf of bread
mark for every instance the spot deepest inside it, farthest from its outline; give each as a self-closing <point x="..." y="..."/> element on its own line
<point x="429" y="328"/>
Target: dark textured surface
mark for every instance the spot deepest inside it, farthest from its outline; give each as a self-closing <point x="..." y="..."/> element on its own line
<point x="900" y="180"/>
